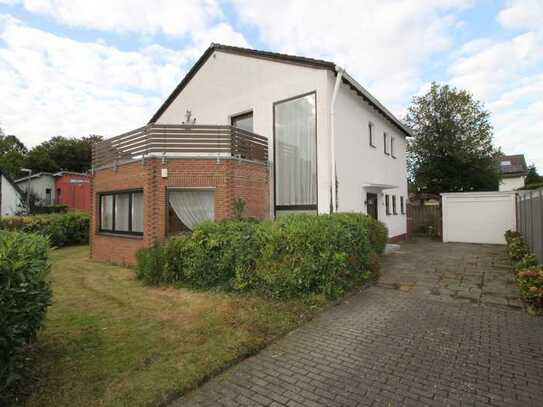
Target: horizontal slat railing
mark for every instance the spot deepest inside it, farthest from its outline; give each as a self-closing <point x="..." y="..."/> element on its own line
<point x="172" y="140"/>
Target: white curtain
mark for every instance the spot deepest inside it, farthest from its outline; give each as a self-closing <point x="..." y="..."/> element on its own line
<point x="296" y="147"/>
<point x="121" y="212"/>
<point x="137" y="212"/>
<point x="106" y="218"/>
<point x="192" y="206"/>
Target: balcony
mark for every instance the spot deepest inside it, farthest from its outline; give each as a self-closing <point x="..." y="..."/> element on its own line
<point x="180" y="141"/>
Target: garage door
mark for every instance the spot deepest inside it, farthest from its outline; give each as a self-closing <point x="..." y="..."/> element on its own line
<point x="478" y="217"/>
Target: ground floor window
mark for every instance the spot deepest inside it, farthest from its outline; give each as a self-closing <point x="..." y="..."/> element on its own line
<point x="121" y="212"/>
<point x="189" y="206"/>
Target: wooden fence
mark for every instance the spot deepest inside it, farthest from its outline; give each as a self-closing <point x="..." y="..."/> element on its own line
<point x="530" y="219"/>
<point x="181" y="140"/>
<point x="422" y="219"/>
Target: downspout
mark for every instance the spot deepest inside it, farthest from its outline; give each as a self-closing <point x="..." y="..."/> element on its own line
<point x="339" y="75"/>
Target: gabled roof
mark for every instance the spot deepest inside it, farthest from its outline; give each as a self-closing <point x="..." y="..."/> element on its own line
<point x="513" y="166"/>
<point x="36" y="175"/>
<point x="284" y="58"/>
<point x="10" y="180"/>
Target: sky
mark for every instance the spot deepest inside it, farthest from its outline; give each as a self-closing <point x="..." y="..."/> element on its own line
<point x="79" y="67"/>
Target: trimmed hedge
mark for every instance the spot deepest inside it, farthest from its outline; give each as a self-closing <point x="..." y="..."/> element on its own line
<point x="61" y="229"/>
<point x="528" y="274"/>
<point x="293" y="256"/>
<point x="24" y="298"/>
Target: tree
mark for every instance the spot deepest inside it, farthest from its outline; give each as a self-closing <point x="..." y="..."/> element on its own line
<point x="452" y="149"/>
<point x="533" y="177"/>
<point x="62" y="153"/>
<point x="12" y="154"/>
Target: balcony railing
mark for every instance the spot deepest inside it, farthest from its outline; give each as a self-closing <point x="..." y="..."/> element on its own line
<point x="180" y="141"/>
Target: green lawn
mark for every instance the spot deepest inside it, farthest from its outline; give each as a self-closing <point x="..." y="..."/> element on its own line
<point x="110" y="341"/>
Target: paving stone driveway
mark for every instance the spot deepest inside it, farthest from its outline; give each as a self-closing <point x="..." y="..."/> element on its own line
<point x="452" y="272"/>
<point x="401" y="347"/>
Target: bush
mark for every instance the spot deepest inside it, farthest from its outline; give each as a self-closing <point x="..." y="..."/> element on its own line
<point x="530" y="283"/>
<point x="57" y="208"/>
<point x="292" y="256"/>
<point x="24" y="298"/>
<point x="60" y="229"/>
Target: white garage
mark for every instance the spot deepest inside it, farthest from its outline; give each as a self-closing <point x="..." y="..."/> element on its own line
<point x="478" y="217"/>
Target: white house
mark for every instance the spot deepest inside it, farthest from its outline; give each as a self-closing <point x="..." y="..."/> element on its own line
<point x="514" y="171"/>
<point x="10" y="196"/>
<point x="321" y="124"/>
<point x="41" y="184"/>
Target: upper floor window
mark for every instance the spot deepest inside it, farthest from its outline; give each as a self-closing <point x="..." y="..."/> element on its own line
<point x="387" y="204"/>
<point x="394" y="211"/>
<point x="371" y="133"/>
<point x="392" y="152"/>
<point x="121" y="212"/>
<point x="385" y="142"/>
<point x="243" y="121"/>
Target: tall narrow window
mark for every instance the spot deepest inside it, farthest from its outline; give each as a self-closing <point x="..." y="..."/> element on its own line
<point x="394" y="210"/>
<point x="106" y="212"/>
<point x="385" y="143"/>
<point x="387" y="204"/>
<point x="402" y="205"/>
<point x="371" y="134"/>
<point x="295" y="154"/>
<point x="243" y="121"/>
<point x="392" y="152"/>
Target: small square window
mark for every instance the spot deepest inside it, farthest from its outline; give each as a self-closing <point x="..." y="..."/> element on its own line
<point x="243" y="121"/>
<point x="385" y="142"/>
<point x="371" y="134"/>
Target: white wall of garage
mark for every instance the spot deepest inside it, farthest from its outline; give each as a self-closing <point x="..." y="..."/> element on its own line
<point x="478" y="217"/>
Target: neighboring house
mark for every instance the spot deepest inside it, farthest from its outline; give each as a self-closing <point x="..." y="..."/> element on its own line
<point x="10" y="196"/>
<point x="64" y="187"/>
<point x="514" y="170"/>
<point x="332" y="147"/>
<point x="73" y="189"/>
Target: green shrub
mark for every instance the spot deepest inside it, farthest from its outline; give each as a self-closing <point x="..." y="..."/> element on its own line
<point x="60" y="229"/>
<point x="57" y="208"/>
<point x="530" y="283"/>
<point x="295" y="255"/>
<point x="306" y="254"/>
<point x="510" y="235"/>
<point x="24" y="298"/>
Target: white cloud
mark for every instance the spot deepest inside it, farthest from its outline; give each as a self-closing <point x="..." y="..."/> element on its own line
<point x="522" y="14"/>
<point x="171" y="17"/>
<point x="54" y="85"/>
<point x="487" y="68"/>
<point x="384" y="44"/>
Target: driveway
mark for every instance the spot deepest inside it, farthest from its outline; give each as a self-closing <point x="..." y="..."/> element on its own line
<point x="430" y="334"/>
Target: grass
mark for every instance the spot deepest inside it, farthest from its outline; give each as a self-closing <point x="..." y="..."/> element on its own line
<point x="110" y="341"/>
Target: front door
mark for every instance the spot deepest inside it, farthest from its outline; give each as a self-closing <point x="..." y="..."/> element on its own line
<point x="371" y="205"/>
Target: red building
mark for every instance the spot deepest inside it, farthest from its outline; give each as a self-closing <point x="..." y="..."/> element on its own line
<point x="73" y="189"/>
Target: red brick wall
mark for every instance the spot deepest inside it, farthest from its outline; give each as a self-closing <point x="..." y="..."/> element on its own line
<point x="230" y="178"/>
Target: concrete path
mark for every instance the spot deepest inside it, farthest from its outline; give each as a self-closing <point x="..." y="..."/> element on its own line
<point x="406" y="346"/>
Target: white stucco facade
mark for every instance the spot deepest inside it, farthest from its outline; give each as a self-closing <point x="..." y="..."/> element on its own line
<point x="42" y="186"/>
<point x="512" y="183"/>
<point x="362" y="168"/>
<point x="10" y="199"/>
<point x="229" y="84"/>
